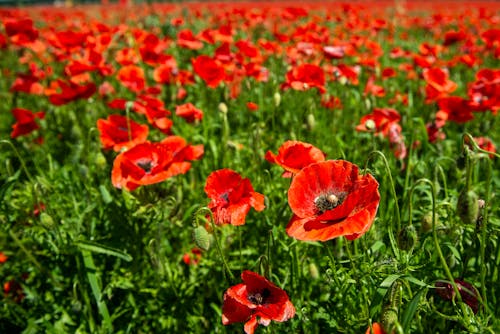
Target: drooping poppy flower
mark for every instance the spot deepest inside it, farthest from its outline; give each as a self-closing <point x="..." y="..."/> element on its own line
<point x="119" y="132"/>
<point x="189" y="112"/>
<point x="330" y="199"/>
<point x="209" y="70"/>
<point x="25" y="121"/>
<point x="231" y="197"/>
<point x="255" y="301"/>
<point x="294" y="155"/>
<point x="467" y="291"/>
<point x="304" y="77"/>
<point x="149" y="163"/>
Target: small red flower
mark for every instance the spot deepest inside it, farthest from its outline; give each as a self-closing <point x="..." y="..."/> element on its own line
<point x="193" y="257"/>
<point x="150" y="163"/>
<point x="13" y="290"/>
<point x="189" y="112"/>
<point x="304" y="77"/>
<point x="295" y="155"/>
<point x="119" y="132"/>
<point x="255" y="301"/>
<point x="132" y="77"/>
<point x="62" y="92"/>
<point x="330" y="199"/>
<point x="252" y="106"/>
<point x="3" y="257"/>
<point x="379" y="121"/>
<point x="231" y="197"/>
<point x="186" y="39"/>
<point x="25" y="121"/>
<point x="209" y="70"/>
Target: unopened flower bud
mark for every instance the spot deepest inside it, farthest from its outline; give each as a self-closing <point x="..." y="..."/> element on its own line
<point x="100" y="160"/>
<point x="407" y="238"/>
<point x="313" y="270"/>
<point x="46" y="220"/>
<point x="389" y="319"/>
<point x="222" y="108"/>
<point x="201" y="238"/>
<point x="467" y="291"/>
<point x="311" y="122"/>
<point x="277" y="99"/>
<point x="468" y="206"/>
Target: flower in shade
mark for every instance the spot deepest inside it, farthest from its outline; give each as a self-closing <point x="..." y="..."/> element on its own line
<point x="118" y="132"/>
<point x="467" y="291"/>
<point x="231" y="197"/>
<point x="294" y="155"/>
<point x="25" y="121"/>
<point x="149" y="163"/>
<point x="3" y="257"/>
<point x="330" y="199"/>
<point x="255" y="301"/>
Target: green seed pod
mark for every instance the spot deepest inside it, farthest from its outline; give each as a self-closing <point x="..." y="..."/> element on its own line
<point x="468" y="206"/>
<point x="100" y="161"/>
<point x="407" y="238"/>
<point x="426" y="222"/>
<point x="201" y="238"/>
<point x="46" y="221"/>
<point x="277" y="99"/>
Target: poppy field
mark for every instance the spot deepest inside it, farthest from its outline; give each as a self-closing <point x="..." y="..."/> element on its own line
<point x="271" y="167"/>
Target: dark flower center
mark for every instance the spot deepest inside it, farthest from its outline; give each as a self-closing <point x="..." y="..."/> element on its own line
<point x="146" y="165"/>
<point x="328" y="201"/>
<point x="260" y="297"/>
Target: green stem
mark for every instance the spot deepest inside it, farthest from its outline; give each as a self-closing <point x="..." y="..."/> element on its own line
<point x="333" y="263"/>
<point x="395" y="197"/>
<point x="21" y="160"/>
<point x="440" y="253"/>
<point x="484" y="232"/>
<point x="217" y="243"/>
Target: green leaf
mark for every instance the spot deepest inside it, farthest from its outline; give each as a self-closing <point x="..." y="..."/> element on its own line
<point x="411" y="309"/>
<point x="102" y="249"/>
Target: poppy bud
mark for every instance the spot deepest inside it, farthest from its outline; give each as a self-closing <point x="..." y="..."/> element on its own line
<point x="313" y="271"/>
<point x="370" y="125"/>
<point x="311" y="122"/>
<point x="222" y="108"/>
<point x="100" y="160"/>
<point x="407" y="238"/>
<point x="277" y="99"/>
<point x="426" y="222"/>
<point x="389" y="319"/>
<point x="468" y="206"/>
<point x="201" y="237"/>
<point x="46" y="221"/>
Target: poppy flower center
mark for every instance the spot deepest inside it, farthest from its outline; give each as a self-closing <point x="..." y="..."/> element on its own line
<point x="146" y="165"/>
<point x="328" y="201"/>
<point x="260" y="297"/>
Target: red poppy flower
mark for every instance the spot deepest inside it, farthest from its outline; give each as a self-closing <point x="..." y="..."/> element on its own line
<point x="454" y="108"/>
<point x="486" y="144"/>
<point x="62" y="92"/>
<point x="467" y="291"/>
<point x="376" y="328"/>
<point x="193" y="257"/>
<point x="189" y="112"/>
<point x="186" y="39"/>
<point x="20" y="30"/>
<point x="231" y="197"/>
<point x="438" y="84"/>
<point x="252" y="106"/>
<point x="379" y="120"/>
<point x="119" y="132"/>
<point x="208" y="69"/>
<point x="3" y="257"/>
<point x="295" y="155"/>
<point x="255" y="301"/>
<point x="150" y="163"/>
<point x="156" y="114"/>
<point x="132" y="77"/>
<point x="484" y="93"/>
<point x="330" y="199"/>
<point x="304" y="77"/>
<point x="13" y="290"/>
<point x="25" y="121"/>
